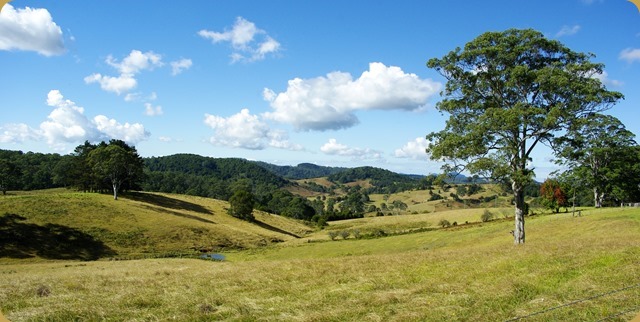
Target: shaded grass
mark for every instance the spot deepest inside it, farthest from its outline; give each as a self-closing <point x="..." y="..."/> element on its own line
<point x="466" y="274"/>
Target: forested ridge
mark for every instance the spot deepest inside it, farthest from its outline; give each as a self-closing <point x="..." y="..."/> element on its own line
<point x="301" y="171"/>
<point x="205" y="176"/>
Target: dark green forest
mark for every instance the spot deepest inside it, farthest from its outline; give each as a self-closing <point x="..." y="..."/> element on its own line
<point x="301" y="171"/>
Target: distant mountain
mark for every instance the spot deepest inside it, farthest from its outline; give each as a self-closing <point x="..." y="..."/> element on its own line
<point x="301" y="171"/>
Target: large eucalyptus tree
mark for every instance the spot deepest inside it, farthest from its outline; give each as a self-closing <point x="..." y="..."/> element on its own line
<point x="507" y="93"/>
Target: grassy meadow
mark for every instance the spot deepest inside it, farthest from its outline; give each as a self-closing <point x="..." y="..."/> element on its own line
<point x="571" y="268"/>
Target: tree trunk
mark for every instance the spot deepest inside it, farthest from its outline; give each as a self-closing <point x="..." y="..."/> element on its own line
<point x="115" y="191"/>
<point x="518" y="232"/>
<point x="598" y="197"/>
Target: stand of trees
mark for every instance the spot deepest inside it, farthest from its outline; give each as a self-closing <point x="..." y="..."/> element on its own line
<point x="113" y="166"/>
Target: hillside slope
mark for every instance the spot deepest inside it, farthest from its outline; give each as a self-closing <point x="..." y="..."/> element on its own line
<point x="66" y="225"/>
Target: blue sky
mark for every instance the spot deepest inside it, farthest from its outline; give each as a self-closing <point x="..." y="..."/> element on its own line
<point x="339" y="83"/>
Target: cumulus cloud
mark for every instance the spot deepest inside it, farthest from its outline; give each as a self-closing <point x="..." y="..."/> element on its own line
<point x="246" y="131"/>
<point x="17" y="133"/>
<point x="413" y="150"/>
<point x="568" y="31"/>
<point x="332" y="147"/>
<point x="130" y="66"/>
<point x="249" y="43"/>
<point x="179" y="66"/>
<point x="136" y="61"/>
<point x="630" y="55"/>
<point x="30" y="29"/>
<point x="68" y="124"/>
<point x="329" y="102"/>
<point x="120" y="84"/>
<point x="131" y="133"/>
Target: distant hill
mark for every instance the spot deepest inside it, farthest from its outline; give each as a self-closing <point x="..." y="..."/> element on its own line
<point x="301" y="171"/>
<point x="383" y="181"/>
<point x="204" y="176"/>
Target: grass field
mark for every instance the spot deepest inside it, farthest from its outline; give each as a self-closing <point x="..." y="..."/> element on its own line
<point x="571" y="269"/>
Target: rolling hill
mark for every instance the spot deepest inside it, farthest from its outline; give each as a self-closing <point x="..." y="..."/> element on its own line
<point x="59" y="224"/>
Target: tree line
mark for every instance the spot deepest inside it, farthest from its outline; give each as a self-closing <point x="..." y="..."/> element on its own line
<point x="108" y="166"/>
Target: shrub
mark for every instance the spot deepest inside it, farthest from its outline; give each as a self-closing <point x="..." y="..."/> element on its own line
<point x="356" y="234"/>
<point x="435" y="196"/>
<point x="486" y="216"/>
<point x="345" y="234"/>
<point x="379" y="233"/>
<point x="444" y="223"/>
<point x="322" y="222"/>
<point x="43" y="291"/>
<point x="333" y="235"/>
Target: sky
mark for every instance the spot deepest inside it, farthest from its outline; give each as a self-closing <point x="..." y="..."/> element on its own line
<point x="335" y="83"/>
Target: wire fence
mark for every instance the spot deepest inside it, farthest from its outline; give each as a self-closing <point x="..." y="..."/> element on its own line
<point x="590" y="298"/>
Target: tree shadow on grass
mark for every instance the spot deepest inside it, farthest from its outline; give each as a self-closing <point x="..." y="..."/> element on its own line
<point x="179" y="214"/>
<point x="51" y="241"/>
<point x="276" y="229"/>
<point x="166" y="202"/>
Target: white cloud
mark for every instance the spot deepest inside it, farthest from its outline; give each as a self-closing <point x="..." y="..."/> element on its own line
<point x="30" y="30"/>
<point x="130" y="97"/>
<point x="568" y="31"/>
<point x="329" y="103"/>
<point x="68" y="124"/>
<point x="136" y="62"/>
<point x="248" y="41"/>
<point x="131" y="65"/>
<point x="130" y="133"/>
<point x="17" y="133"/>
<point x="151" y="110"/>
<point x="270" y="45"/>
<point x="179" y="66"/>
<point x="118" y="85"/>
<point x="133" y="97"/>
<point x="165" y="139"/>
<point x="413" y="149"/>
<point x="630" y="55"/>
<point x="246" y="131"/>
<point x="240" y="35"/>
<point x="334" y="148"/>
<point x="604" y="78"/>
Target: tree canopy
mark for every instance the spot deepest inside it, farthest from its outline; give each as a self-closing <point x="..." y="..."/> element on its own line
<point x="116" y="163"/>
<point x="506" y="93"/>
<point x="604" y="156"/>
